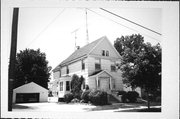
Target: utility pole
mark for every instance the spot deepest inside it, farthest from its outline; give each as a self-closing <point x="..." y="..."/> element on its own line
<point x="11" y="72"/>
<point x="87" y="37"/>
<point x="75" y="38"/>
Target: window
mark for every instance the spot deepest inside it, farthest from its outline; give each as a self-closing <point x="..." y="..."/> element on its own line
<point x="97" y="64"/>
<point x="61" y="86"/>
<point x="67" y="85"/>
<point x="83" y="65"/>
<point x="103" y="52"/>
<point x="67" y="70"/>
<point x="113" y="68"/>
<point x="107" y="53"/>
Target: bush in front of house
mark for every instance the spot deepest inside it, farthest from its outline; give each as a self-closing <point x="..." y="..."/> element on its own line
<point x="98" y="97"/>
<point x="85" y="96"/>
<point x="121" y="92"/>
<point x="132" y="96"/>
<point x="78" y="94"/>
<point x="68" y="97"/>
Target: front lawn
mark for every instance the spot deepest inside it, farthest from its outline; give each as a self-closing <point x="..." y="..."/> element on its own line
<point x="128" y="107"/>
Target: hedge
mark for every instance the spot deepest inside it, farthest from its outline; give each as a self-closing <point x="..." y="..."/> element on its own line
<point x="98" y="97"/>
<point x="68" y="97"/>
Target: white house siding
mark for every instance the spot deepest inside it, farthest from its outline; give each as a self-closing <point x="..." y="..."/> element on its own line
<point x="91" y="65"/>
<point x="92" y="83"/>
<point x="106" y="64"/>
<point x="63" y="71"/>
<point x="118" y="80"/>
<point x="32" y="88"/>
<point x="75" y="68"/>
<point x="56" y="75"/>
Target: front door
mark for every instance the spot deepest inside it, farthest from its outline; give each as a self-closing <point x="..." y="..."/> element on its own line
<point x="104" y="83"/>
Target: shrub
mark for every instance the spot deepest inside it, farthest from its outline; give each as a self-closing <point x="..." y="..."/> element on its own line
<point x="121" y="92"/>
<point x="85" y="96"/>
<point x="75" y="100"/>
<point x="77" y="95"/>
<point x="124" y="97"/>
<point x="98" y="97"/>
<point x="68" y="97"/>
<point x="132" y="96"/>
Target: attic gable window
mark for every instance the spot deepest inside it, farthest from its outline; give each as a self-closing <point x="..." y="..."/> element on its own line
<point x="103" y="52"/>
<point x="107" y="53"/>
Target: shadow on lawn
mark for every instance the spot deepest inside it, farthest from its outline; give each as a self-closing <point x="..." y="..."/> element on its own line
<point x="17" y="106"/>
<point x="125" y="106"/>
<point x="111" y="107"/>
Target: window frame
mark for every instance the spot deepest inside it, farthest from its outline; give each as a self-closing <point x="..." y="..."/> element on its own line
<point x="107" y="53"/>
<point x="82" y="64"/>
<point x="103" y="53"/>
<point x="61" y="86"/>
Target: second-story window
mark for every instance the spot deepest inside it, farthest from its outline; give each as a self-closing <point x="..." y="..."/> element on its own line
<point x="83" y="64"/>
<point x="67" y="70"/>
<point x="113" y="68"/>
<point x="97" y="64"/>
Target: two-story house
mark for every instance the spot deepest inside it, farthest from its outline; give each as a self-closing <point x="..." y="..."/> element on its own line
<point x="96" y="62"/>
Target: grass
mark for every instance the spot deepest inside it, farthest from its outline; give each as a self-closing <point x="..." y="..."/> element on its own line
<point x="129" y="107"/>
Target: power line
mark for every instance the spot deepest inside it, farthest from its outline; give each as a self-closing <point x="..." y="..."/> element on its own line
<point x="130" y="21"/>
<point x="123" y="25"/>
<point x="46" y="27"/>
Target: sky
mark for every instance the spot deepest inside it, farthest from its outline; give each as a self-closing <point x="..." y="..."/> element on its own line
<point x="52" y="29"/>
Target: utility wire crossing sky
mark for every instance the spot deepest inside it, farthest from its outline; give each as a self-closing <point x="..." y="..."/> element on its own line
<point x="51" y="29"/>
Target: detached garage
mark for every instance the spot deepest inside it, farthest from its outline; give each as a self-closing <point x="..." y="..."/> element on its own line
<point x="30" y="92"/>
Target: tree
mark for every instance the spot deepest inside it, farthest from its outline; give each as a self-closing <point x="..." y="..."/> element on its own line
<point x="31" y="65"/>
<point x="76" y="83"/>
<point x="141" y="63"/>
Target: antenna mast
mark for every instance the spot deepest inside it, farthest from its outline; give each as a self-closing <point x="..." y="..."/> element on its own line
<point x="87" y="37"/>
<point x="75" y="37"/>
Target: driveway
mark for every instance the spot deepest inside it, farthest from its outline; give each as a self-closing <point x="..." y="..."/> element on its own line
<point x="60" y="107"/>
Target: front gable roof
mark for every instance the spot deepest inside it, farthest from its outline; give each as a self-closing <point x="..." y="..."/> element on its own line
<point x="29" y="86"/>
<point x="99" y="73"/>
<point x="84" y="51"/>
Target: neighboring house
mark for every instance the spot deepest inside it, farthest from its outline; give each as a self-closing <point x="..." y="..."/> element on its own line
<point x="97" y="62"/>
<point x="30" y="92"/>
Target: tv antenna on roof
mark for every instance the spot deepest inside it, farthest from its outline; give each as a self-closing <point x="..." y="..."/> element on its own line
<point x="75" y="37"/>
<point x="87" y="36"/>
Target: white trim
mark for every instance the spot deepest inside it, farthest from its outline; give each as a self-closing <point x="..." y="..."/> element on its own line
<point x="96" y="75"/>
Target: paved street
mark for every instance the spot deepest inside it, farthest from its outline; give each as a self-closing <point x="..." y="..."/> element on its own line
<point x="77" y="107"/>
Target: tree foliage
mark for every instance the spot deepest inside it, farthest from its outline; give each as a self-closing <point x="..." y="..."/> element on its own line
<point x="76" y="83"/>
<point x="141" y="62"/>
<point x="31" y="65"/>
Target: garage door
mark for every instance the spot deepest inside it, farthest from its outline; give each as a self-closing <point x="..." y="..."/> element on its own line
<point x="27" y="97"/>
<point x="104" y="83"/>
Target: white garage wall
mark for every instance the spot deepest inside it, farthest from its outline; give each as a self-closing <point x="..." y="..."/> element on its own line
<point x="32" y="88"/>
